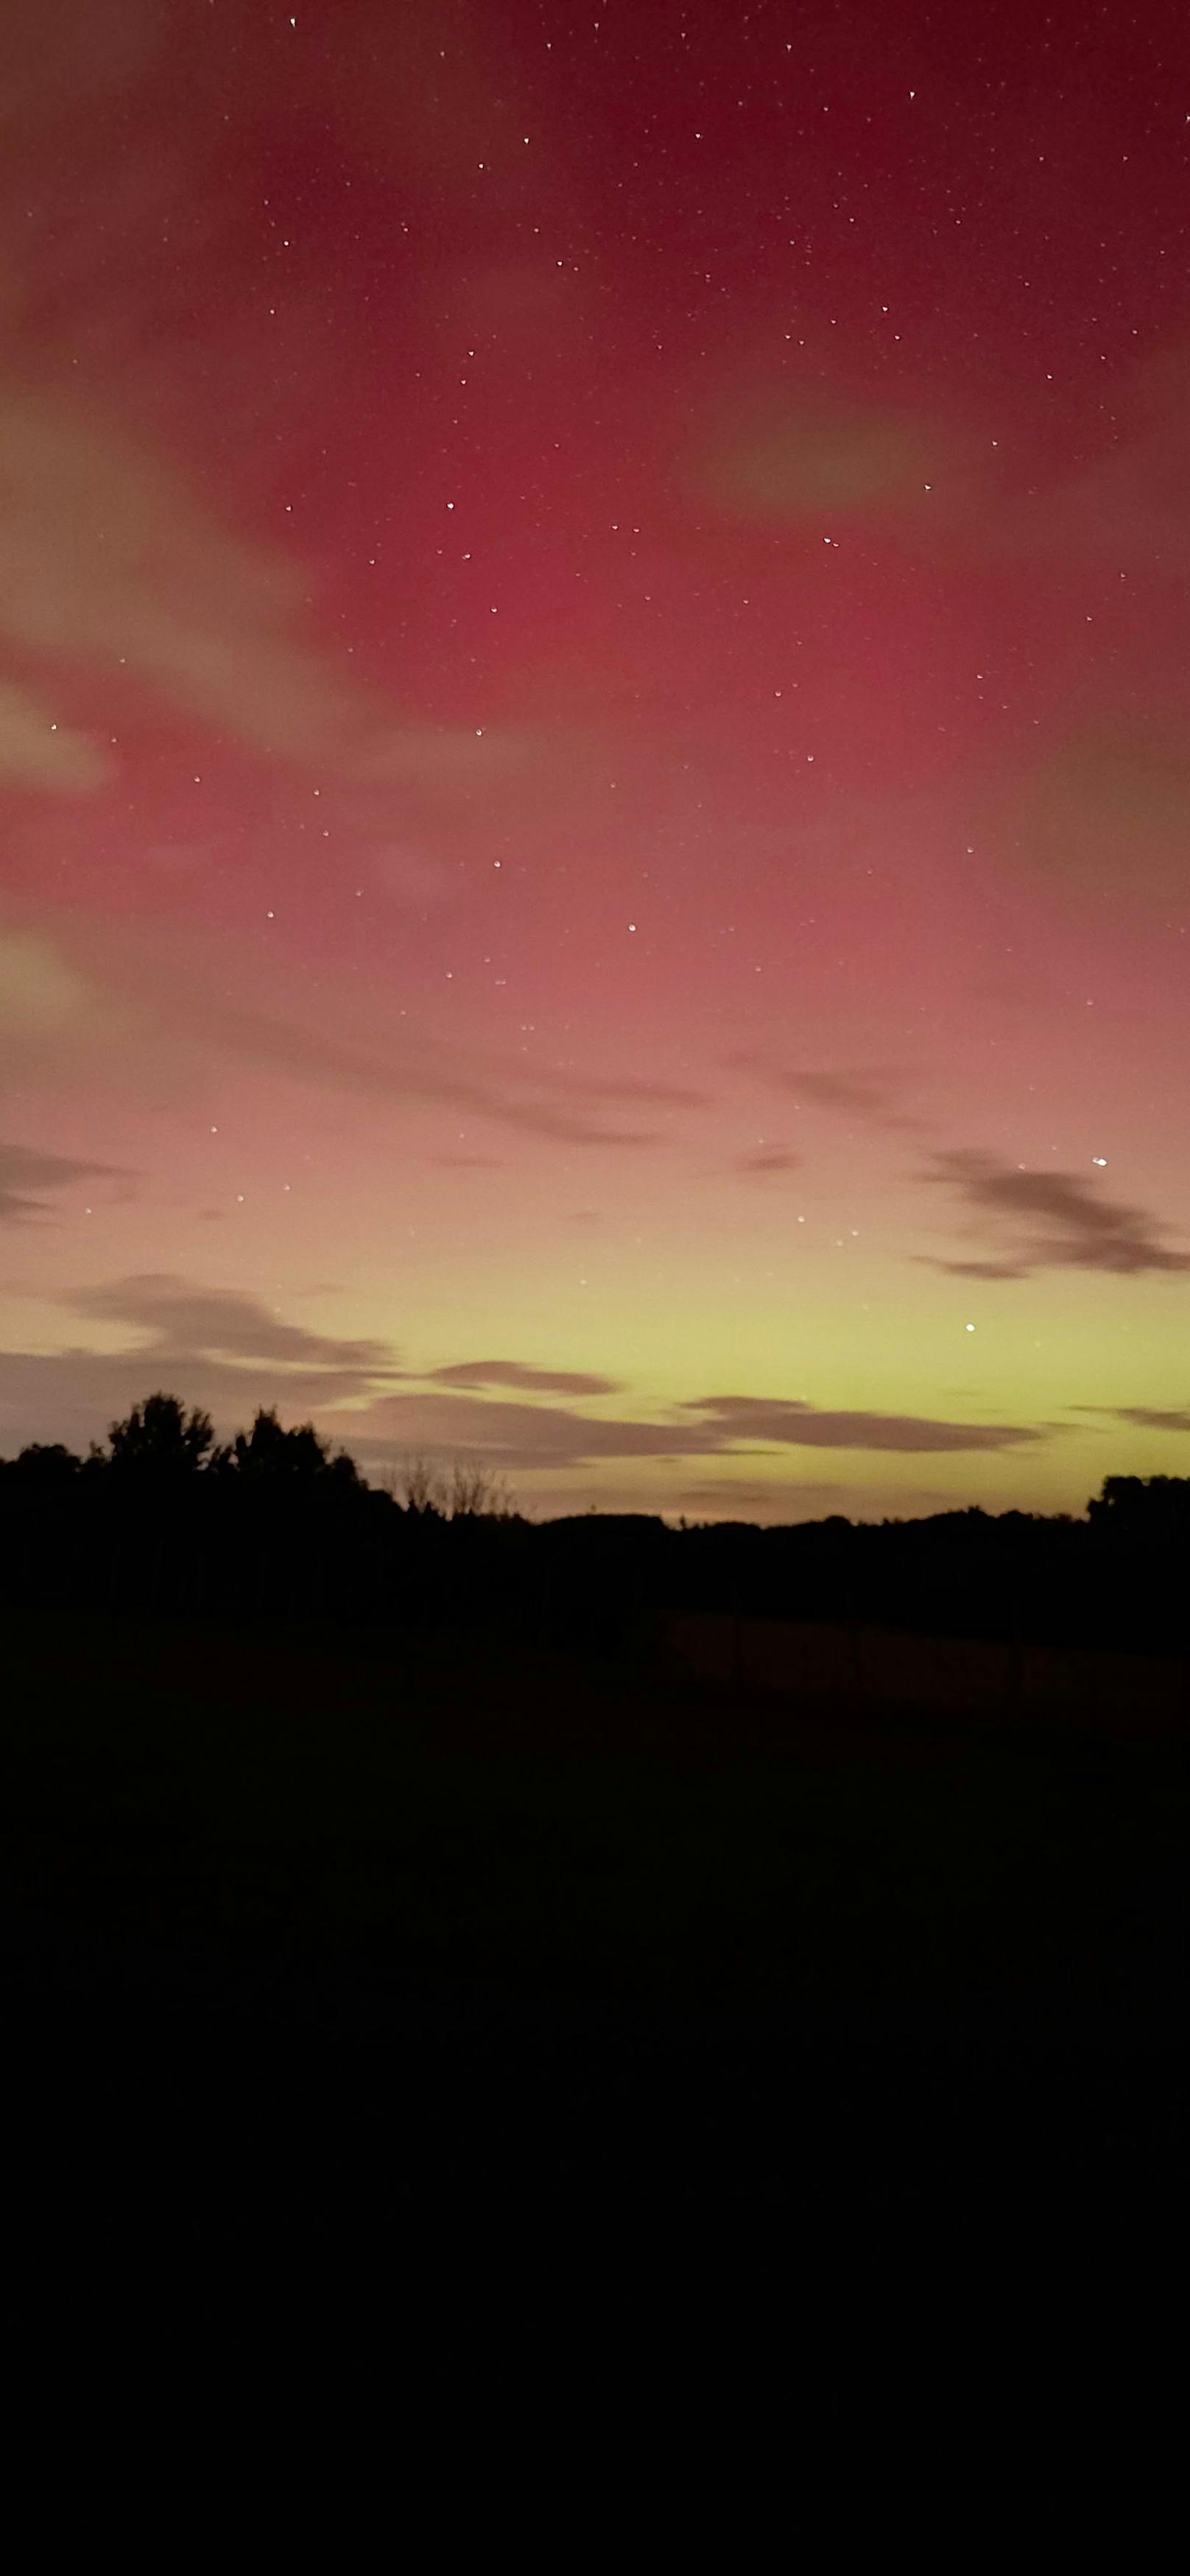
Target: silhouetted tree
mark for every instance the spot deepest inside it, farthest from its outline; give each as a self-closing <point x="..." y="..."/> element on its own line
<point x="477" y="1492"/>
<point x="1141" y="1502"/>
<point x="47" y="1465"/>
<point x="273" y="1521"/>
<point x="158" y="1436"/>
<point x="268" y="1451"/>
<point x="425" y="1490"/>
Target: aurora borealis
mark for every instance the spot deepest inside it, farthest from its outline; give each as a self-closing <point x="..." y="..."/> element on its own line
<point x="594" y="674"/>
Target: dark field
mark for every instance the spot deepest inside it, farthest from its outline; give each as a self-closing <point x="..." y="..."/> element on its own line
<point x="472" y="1991"/>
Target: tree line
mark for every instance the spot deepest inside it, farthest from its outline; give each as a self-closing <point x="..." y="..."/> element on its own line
<point x="164" y="1520"/>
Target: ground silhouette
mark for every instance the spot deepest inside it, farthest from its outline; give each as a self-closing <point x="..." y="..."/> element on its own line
<point x="385" y="1922"/>
<point x="168" y="1521"/>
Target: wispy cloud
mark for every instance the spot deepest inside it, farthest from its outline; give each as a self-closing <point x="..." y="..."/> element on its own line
<point x="479" y="1373"/>
<point x="528" y="1437"/>
<point x="1148" y="1420"/>
<point x="228" y="1350"/>
<point x="23" y="1170"/>
<point x="45" y="998"/>
<point x="867" y="1092"/>
<point x="73" y="1394"/>
<point x="1146" y="1417"/>
<point x="108" y="1000"/>
<point x="1103" y="813"/>
<point x="37" y="750"/>
<point x="944" y="483"/>
<point x="769" y="1158"/>
<point x="815" y="462"/>
<point x="218" y="1347"/>
<point x="509" y="1435"/>
<point x="67" y="54"/>
<point x="106" y="554"/>
<point x="184" y="1320"/>
<point x="418" y="1067"/>
<point x="1049" y="1220"/>
<point x="806" y="1426"/>
<point x="977" y="1269"/>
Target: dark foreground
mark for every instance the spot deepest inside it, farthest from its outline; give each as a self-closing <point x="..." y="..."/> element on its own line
<point x="466" y="2008"/>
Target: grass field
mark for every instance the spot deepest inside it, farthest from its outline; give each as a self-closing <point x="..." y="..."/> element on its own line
<point x="381" y="1958"/>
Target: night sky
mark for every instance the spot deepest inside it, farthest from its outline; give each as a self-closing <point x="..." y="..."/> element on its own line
<point x="594" y="673"/>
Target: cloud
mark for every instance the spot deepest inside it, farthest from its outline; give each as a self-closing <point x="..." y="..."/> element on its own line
<point x="23" y="1168"/>
<point x="771" y="1418"/>
<point x="478" y="1373"/>
<point x="60" y="1026"/>
<point x="868" y="1092"/>
<point x="533" y="1436"/>
<point x="1105" y="813"/>
<point x="150" y="1018"/>
<point x="42" y="993"/>
<point x="54" y="57"/>
<point x="220" y="1348"/>
<point x="226" y="1350"/>
<point x="1143" y="1415"/>
<point x="665" y="1095"/>
<point x="114" y="561"/>
<point x="73" y="1394"/>
<point x="108" y="557"/>
<point x="977" y="1269"/>
<point x="38" y="751"/>
<point x="815" y="462"/>
<point x="947" y="485"/>
<point x="1053" y="1220"/>
<point x="1127" y="503"/>
<point x="419" y="1067"/>
<point x="127" y="563"/>
<point x="516" y="1435"/>
<point x="104" y="555"/>
<point x="770" y="1158"/>
<point x="186" y="1321"/>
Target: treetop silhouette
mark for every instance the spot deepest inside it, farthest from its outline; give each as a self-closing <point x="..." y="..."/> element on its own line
<point x="158" y="1437"/>
<point x="166" y="1519"/>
